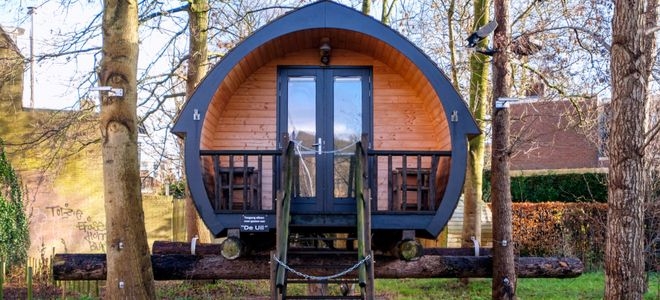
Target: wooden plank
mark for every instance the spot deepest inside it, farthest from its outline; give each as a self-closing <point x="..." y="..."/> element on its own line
<point x="401" y="144"/>
<point x="242" y="144"/>
<point x="251" y="61"/>
<point x="241" y="72"/>
<point x="394" y="91"/>
<point x="408" y="112"/>
<point x="383" y="103"/>
<point x="418" y="81"/>
<point x="244" y="113"/>
<point x="408" y="128"/>
<point x="224" y="129"/>
<point x="252" y="101"/>
<point x="246" y="121"/>
<point x="249" y="135"/>
<point x="406" y="136"/>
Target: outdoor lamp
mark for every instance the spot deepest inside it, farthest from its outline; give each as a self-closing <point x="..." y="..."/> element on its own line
<point x="324" y="51"/>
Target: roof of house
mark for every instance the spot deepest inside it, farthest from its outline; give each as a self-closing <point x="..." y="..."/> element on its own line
<point x="10" y="44"/>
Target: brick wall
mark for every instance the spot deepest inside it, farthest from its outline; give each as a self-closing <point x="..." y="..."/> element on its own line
<point x="555" y="135"/>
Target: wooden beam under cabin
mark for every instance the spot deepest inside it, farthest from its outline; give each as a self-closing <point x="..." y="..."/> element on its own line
<point x="194" y="267"/>
<point x="167" y="247"/>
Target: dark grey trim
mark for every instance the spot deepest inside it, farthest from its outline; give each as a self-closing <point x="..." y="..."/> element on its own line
<point x="327" y="14"/>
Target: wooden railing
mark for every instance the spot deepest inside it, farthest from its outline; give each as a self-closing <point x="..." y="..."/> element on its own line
<point x="235" y="179"/>
<point x="283" y="217"/>
<point x="363" y="214"/>
<point x="415" y="179"/>
<point x="399" y="181"/>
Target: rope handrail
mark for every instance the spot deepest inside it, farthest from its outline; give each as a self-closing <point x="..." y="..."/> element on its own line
<point x="300" y="145"/>
<point x="322" y="278"/>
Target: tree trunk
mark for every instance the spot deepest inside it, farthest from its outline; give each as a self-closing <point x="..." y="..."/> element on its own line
<point x="504" y="275"/>
<point x="129" y="264"/>
<point x="475" y="167"/>
<point x="386" y="11"/>
<point x="451" y="10"/>
<point x="185" y="266"/>
<point x="366" y="7"/>
<point x="197" y="63"/>
<point x="630" y="65"/>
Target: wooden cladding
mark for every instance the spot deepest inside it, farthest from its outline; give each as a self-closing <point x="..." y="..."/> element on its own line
<point x="407" y="114"/>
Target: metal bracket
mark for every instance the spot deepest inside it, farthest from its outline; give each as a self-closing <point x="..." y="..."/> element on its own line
<point x="454" y="116"/>
<point x="112" y="92"/>
<point x="476" y="245"/>
<point x="196" y="115"/>
<point x="193" y="245"/>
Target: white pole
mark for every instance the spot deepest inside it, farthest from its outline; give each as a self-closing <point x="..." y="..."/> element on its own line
<point x="31" y="12"/>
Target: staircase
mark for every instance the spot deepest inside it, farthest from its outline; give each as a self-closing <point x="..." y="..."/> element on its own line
<point x="310" y="259"/>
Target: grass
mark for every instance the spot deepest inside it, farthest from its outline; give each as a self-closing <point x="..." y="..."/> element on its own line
<point x="587" y="286"/>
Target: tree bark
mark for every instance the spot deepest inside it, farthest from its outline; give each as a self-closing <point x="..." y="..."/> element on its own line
<point x="197" y="65"/>
<point x="630" y="66"/>
<point x="366" y="7"/>
<point x="451" y="10"/>
<point x="475" y="167"/>
<point x="185" y="266"/>
<point x="504" y="273"/>
<point x="129" y="265"/>
<point x="386" y="11"/>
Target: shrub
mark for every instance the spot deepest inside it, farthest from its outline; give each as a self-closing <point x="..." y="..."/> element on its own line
<point x="572" y="187"/>
<point x="178" y="189"/>
<point x="14" y="234"/>
<point x="561" y="229"/>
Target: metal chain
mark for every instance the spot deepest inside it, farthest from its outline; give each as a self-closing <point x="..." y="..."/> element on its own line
<point x="321" y="278"/>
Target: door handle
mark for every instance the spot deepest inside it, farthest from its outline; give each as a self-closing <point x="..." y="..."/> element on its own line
<point x="319" y="146"/>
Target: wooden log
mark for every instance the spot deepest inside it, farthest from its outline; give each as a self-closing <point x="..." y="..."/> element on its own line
<point x="457" y="251"/>
<point x="232" y="248"/>
<point x="409" y="250"/>
<point x="185" y="266"/>
<point x="166" y="247"/>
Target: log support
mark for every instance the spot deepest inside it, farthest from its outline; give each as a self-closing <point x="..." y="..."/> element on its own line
<point x="232" y="248"/>
<point x="409" y="250"/>
<point x="194" y="267"/>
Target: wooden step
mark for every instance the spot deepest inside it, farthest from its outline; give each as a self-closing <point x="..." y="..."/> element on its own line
<point x="324" y="297"/>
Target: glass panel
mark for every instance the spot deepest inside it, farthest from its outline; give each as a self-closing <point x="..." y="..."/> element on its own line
<point x="302" y="130"/>
<point x="347" y="131"/>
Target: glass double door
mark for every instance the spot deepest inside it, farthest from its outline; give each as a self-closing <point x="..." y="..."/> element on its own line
<point x="324" y="111"/>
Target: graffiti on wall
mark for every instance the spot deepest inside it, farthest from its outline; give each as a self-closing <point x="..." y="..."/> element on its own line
<point x="93" y="231"/>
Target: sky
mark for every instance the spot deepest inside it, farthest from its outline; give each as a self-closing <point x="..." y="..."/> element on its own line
<point x="59" y="83"/>
<point x="56" y="81"/>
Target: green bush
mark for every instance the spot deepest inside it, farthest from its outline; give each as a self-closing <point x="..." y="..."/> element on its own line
<point x="587" y="187"/>
<point x="178" y="189"/>
<point x="14" y="234"/>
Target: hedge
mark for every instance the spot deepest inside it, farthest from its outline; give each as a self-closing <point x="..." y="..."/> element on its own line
<point x="561" y="229"/>
<point x="587" y="187"/>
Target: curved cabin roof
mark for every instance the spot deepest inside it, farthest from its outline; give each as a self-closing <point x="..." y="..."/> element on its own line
<point x="349" y="31"/>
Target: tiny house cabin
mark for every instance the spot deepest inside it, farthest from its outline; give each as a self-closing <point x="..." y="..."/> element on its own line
<point x="325" y="80"/>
